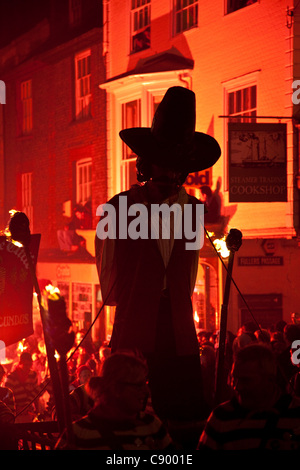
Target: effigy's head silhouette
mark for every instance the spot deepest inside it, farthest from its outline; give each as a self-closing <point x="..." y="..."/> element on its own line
<point x="172" y="141"/>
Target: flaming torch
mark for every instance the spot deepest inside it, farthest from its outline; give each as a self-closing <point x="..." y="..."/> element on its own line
<point x="233" y="243"/>
<point x="62" y="336"/>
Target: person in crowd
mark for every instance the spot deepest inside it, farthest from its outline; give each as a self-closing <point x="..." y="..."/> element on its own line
<point x="151" y="281"/>
<point x="8" y="440"/>
<point x="117" y="420"/>
<point x="260" y="415"/>
<point x="263" y="336"/>
<point x="23" y="382"/>
<point x="6" y="395"/>
<point x="81" y="402"/>
<point x="68" y="239"/>
<point x="278" y="344"/>
<point x="213" y="203"/>
<point x="246" y="335"/>
<point x="208" y="365"/>
<point x="295" y="318"/>
<point x="83" y="374"/>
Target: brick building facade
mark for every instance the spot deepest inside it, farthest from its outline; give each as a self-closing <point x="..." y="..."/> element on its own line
<point x="53" y="137"/>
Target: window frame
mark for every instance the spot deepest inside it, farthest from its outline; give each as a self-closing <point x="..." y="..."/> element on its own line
<point x="26" y="107"/>
<point x="180" y="12"/>
<point x="26" y="196"/>
<point x="230" y="86"/>
<point x="137" y="7"/>
<point x="128" y="157"/>
<point x="87" y="185"/>
<point x="75" y="12"/>
<point x="86" y="98"/>
<point x="229" y="10"/>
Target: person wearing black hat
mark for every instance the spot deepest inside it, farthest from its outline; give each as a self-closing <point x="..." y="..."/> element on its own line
<point x="151" y="281"/>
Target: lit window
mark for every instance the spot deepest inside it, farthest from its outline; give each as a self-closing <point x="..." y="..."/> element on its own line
<point x="140" y="25"/>
<point x="242" y="103"/>
<point x="82" y="301"/>
<point x="233" y="5"/>
<point x="131" y="118"/>
<point x="26" y="192"/>
<point x="26" y="100"/>
<point x="75" y="12"/>
<point x="84" y="181"/>
<point x="83" y="84"/>
<point x="186" y="15"/>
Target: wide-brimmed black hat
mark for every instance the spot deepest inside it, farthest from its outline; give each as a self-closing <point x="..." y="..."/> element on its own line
<point x="172" y="141"/>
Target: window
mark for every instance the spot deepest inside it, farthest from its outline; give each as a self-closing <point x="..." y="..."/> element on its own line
<point x="82" y="302"/>
<point x="83" y="84"/>
<point x="26" y="193"/>
<point x="84" y="181"/>
<point x="186" y="15"/>
<point x="75" y="12"/>
<point x="26" y="107"/>
<point x="131" y="117"/>
<point x="240" y="100"/>
<point x="233" y="5"/>
<point x="140" y="25"/>
<point x="242" y="103"/>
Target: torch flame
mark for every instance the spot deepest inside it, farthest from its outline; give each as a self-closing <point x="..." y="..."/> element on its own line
<point x="53" y="292"/>
<point x="221" y="247"/>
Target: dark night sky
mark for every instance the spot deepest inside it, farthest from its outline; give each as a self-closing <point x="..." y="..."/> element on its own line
<point x="17" y="16"/>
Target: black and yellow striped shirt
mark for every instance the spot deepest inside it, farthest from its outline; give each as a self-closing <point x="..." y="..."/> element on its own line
<point x="145" y="433"/>
<point x="231" y="427"/>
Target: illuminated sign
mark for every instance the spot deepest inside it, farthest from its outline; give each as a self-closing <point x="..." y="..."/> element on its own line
<point x="260" y="261"/>
<point x="257" y="162"/>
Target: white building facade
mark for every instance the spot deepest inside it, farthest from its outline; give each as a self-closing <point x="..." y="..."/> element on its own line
<point x="241" y="59"/>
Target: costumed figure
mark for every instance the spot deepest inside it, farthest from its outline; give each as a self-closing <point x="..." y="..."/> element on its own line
<point x="151" y="280"/>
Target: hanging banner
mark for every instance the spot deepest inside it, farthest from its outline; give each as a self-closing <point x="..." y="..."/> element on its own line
<point x="16" y="290"/>
<point x="257" y="162"/>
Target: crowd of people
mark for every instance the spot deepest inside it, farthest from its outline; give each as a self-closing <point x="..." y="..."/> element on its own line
<point x="111" y="404"/>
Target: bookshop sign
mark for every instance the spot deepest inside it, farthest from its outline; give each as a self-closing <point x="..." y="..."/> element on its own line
<point x="257" y="162"/>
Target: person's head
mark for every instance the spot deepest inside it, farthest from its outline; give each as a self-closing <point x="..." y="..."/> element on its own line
<point x="83" y="374"/>
<point x="104" y="353"/>
<point x="254" y="375"/>
<point x="122" y="385"/>
<point x="206" y="192"/>
<point x="249" y="328"/>
<point x="291" y="333"/>
<point x="263" y="336"/>
<point x="25" y="362"/>
<point x="295" y="317"/>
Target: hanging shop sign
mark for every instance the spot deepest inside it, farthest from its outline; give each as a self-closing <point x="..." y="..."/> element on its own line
<point x="257" y="162"/>
<point x="16" y="290"/>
